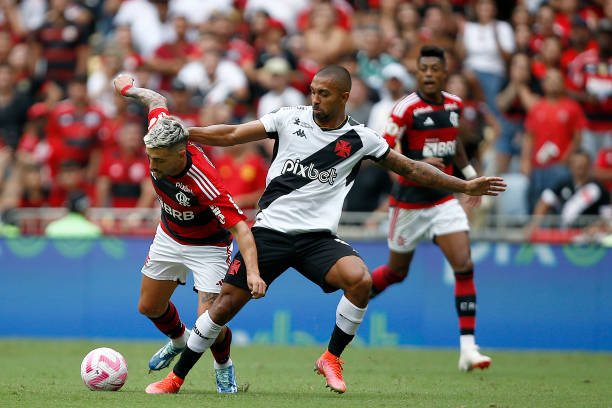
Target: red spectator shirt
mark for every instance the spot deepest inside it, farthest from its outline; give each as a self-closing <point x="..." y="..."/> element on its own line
<point x="425" y="129"/>
<point x="242" y="177"/>
<point x="552" y="125"/>
<point x="126" y="174"/>
<point x="196" y="209"/>
<point x="589" y="73"/>
<point x="172" y="51"/>
<point x="73" y="135"/>
<point x="604" y="161"/>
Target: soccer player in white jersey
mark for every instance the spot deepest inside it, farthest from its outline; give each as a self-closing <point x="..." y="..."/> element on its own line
<point x="316" y="157"/>
<point x="198" y="218"/>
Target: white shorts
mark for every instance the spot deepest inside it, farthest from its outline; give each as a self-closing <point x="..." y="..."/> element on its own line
<point x="169" y="260"/>
<point x="408" y="227"/>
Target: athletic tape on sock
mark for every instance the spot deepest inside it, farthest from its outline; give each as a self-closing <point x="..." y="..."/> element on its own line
<point x="204" y="333"/>
<point x="349" y="316"/>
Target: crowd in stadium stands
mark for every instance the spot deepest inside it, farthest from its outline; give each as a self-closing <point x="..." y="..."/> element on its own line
<point x="535" y="77"/>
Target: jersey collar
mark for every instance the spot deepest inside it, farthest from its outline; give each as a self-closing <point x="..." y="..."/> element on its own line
<point x="328" y="129"/>
<point x="428" y="101"/>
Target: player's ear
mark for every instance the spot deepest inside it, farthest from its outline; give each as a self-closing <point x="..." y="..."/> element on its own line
<point x="345" y="96"/>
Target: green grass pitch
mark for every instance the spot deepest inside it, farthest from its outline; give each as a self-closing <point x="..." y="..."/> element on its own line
<point x="46" y="374"/>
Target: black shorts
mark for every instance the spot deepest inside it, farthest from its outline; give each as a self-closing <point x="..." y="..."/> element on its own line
<point x="312" y="254"/>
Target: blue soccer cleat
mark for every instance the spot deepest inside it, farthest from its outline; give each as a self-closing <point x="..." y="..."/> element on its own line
<point x="226" y="380"/>
<point x="164" y="356"/>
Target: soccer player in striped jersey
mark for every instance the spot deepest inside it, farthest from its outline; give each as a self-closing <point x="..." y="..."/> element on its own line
<point x="426" y="123"/>
<point x="198" y="218"/>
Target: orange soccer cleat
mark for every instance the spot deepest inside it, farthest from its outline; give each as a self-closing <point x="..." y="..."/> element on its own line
<point x="331" y="367"/>
<point x="169" y="385"/>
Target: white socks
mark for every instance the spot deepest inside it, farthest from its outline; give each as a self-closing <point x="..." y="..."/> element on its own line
<point x="204" y="333"/>
<point x="466" y="341"/>
<point x="181" y="342"/>
<point x="349" y="316"/>
<point x="225" y="365"/>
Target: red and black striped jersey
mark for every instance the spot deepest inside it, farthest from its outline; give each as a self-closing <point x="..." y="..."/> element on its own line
<point x="196" y="209"/>
<point x="424" y="129"/>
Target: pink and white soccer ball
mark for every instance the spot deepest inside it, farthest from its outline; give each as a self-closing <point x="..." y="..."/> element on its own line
<point x="104" y="369"/>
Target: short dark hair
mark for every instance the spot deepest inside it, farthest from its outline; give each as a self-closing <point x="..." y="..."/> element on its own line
<point x="340" y="75"/>
<point x="433" y="51"/>
<point x="581" y="152"/>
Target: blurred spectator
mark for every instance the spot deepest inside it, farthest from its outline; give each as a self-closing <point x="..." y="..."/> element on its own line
<point x="125" y="111"/>
<point x="224" y="25"/>
<point x="198" y="11"/>
<point x="580" y="41"/>
<point x="285" y="11"/>
<point x="70" y="178"/>
<point x="522" y="37"/>
<point x="590" y="76"/>
<point x="478" y="126"/>
<point x="243" y="173"/>
<point x="280" y="94"/>
<point x="218" y="79"/>
<point x="602" y="170"/>
<point x="548" y="57"/>
<point x="33" y="147"/>
<point x="544" y="27"/>
<point x="407" y="20"/>
<point x="62" y="42"/>
<point x="171" y="56"/>
<point x="435" y="30"/>
<point x="323" y="30"/>
<point x="341" y="9"/>
<point x="14" y="106"/>
<point x="181" y="103"/>
<point x="486" y="46"/>
<point x="359" y="105"/>
<point x="566" y="10"/>
<point x="574" y="196"/>
<point x="513" y="102"/>
<point x="372" y="57"/>
<point x="123" y="180"/>
<point x="34" y="190"/>
<point x="103" y="69"/>
<point x="398" y="82"/>
<point x="553" y="125"/>
<point x="74" y="224"/>
<point x="73" y="129"/>
<point x="145" y="22"/>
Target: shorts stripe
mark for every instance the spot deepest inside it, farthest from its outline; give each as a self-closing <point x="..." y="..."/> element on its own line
<point x="393" y="221"/>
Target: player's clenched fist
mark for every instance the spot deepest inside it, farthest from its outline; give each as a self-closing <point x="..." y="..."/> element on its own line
<point x="122" y="83"/>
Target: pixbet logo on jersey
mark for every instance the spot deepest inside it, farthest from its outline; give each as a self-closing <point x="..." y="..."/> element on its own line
<point x="309" y="172"/>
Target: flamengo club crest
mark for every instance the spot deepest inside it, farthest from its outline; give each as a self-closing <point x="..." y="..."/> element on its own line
<point x="182" y="199"/>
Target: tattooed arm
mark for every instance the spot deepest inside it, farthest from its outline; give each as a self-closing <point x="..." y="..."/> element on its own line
<point x="429" y="176"/>
<point x="124" y="85"/>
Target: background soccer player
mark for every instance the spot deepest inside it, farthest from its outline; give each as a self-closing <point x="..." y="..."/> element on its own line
<point x="197" y="215"/>
<point x="317" y="153"/>
<point x="426" y="123"/>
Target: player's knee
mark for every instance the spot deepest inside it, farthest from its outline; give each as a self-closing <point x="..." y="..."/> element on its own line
<point x="361" y="281"/>
<point x="151" y="310"/>
<point x="463" y="265"/>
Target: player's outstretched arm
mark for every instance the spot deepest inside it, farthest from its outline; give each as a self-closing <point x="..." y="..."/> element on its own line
<point x="228" y="135"/>
<point x="124" y="85"/>
<point x="246" y="243"/>
<point x="427" y="175"/>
